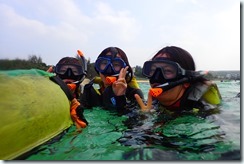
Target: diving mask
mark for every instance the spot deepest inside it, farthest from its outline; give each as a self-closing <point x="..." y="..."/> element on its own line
<point x="167" y="74"/>
<point x="109" y="66"/>
<point x="72" y="68"/>
<point x="169" y="70"/>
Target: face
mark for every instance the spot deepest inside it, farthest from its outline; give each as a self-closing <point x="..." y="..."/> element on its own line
<point x="116" y="66"/>
<point x="169" y="97"/>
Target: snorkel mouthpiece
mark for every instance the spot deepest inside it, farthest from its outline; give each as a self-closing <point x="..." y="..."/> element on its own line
<point x="72" y="86"/>
<point x="110" y="79"/>
<point x="155" y="92"/>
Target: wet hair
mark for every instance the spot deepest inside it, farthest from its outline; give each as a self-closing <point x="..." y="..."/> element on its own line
<point x="178" y="55"/>
<point x="114" y="51"/>
<point x="70" y="60"/>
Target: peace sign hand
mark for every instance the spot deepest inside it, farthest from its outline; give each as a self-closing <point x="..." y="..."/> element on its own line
<point x="120" y="85"/>
<point x="144" y="108"/>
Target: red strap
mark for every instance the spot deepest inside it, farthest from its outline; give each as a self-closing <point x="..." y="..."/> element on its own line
<point x="175" y="105"/>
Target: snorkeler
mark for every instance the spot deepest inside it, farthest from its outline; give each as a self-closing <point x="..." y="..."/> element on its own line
<point x="70" y="72"/>
<point x="117" y="84"/>
<point x="175" y="84"/>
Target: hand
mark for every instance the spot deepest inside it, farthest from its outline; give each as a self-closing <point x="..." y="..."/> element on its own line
<point x="50" y="69"/>
<point x="144" y="108"/>
<point x="120" y="85"/>
<point x="79" y="113"/>
<point x="76" y="112"/>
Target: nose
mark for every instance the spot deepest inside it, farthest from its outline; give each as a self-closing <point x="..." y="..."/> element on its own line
<point x="157" y="74"/>
<point x="157" y="77"/>
<point x="69" y="72"/>
<point x="109" y="69"/>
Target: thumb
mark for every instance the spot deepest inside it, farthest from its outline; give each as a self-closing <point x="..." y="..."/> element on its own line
<point x="140" y="102"/>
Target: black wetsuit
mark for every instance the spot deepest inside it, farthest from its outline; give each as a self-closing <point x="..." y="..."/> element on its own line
<point x="92" y="97"/>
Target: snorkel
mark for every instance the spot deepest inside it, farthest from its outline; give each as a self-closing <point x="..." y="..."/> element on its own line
<point x="159" y="89"/>
<point x="84" y="65"/>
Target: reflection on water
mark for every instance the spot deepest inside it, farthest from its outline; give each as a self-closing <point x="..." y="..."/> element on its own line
<point x="138" y="136"/>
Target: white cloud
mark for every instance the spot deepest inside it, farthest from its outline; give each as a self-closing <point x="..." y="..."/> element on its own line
<point x="117" y="24"/>
<point x="67" y="27"/>
<point x="211" y="36"/>
<point x="57" y="28"/>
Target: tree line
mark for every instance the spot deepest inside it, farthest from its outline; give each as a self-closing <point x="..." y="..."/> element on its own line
<point x="32" y="62"/>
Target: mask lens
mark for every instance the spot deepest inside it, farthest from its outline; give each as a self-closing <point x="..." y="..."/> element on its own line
<point x="168" y="69"/>
<point x="118" y="64"/>
<point x="62" y="69"/>
<point x="101" y="64"/>
<point x="147" y="69"/>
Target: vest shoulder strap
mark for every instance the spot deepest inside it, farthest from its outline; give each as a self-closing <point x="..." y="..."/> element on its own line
<point x="63" y="86"/>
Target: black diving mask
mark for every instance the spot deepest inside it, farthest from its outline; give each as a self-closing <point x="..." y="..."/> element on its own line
<point x="166" y="69"/>
<point x="70" y="71"/>
<point x="167" y="74"/>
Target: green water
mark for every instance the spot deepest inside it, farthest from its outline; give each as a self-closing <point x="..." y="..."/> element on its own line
<point x="108" y="136"/>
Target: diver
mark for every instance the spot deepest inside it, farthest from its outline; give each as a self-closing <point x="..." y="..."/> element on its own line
<point x="116" y="84"/>
<point x="178" y="93"/>
<point x="176" y="86"/>
<point x="69" y="74"/>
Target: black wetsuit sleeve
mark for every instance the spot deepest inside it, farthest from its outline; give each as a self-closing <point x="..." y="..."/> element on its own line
<point x="130" y="93"/>
<point x="110" y="100"/>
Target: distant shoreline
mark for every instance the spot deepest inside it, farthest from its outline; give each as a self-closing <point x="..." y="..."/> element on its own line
<point x="142" y="81"/>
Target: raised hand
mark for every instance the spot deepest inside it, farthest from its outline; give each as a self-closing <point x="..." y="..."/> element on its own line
<point x="144" y="108"/>
<point x="120" y="85"/>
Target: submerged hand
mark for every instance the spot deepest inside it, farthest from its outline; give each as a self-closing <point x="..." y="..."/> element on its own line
<point x="144" y="108"/>
<point x="120" y="85"/>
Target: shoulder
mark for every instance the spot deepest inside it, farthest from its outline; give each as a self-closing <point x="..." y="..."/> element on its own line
<point x="204" y="95"/>
<point x="133" y="83"/>
<point x="203" y="89"/>
<point x="212" y="95"/>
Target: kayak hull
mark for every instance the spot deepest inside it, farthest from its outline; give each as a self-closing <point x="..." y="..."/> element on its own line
<point x="33" y="110"/>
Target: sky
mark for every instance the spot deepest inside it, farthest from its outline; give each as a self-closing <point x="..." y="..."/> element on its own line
<point x="52" y="29"/>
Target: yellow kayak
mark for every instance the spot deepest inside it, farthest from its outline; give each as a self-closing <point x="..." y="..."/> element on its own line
<point x="33" y="110"/>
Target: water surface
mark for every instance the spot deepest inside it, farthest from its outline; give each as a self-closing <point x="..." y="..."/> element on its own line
<point x="113" y="137"/>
